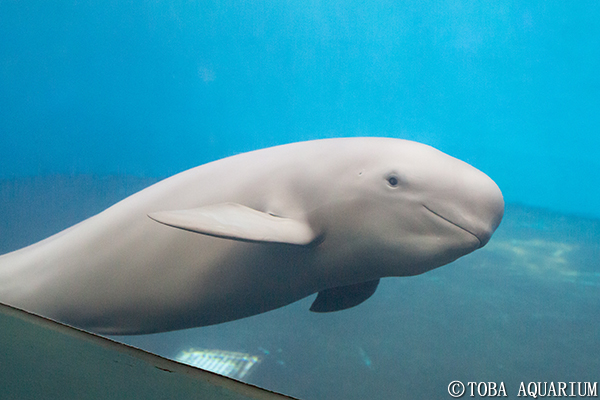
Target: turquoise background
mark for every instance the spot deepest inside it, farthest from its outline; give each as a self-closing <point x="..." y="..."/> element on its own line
<point x="151" y="88"/>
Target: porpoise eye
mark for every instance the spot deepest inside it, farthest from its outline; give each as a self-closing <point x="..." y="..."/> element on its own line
<point x="393" y="181"/>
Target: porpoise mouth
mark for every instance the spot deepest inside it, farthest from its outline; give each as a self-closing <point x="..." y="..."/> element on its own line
<point x="455" y="224"/>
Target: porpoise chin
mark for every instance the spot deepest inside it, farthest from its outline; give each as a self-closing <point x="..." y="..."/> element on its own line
<point x="257" y="231"/>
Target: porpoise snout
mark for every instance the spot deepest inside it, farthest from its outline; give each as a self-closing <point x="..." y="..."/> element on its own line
<point x="472" y="202"/>
<point x="490" y="210"/>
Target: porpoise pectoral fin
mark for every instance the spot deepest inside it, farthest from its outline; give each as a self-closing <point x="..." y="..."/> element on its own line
<point x="343" y="297"/>
<point x="238" y="222"/>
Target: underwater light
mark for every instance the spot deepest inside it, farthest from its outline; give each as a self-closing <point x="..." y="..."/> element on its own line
<point x="229" y="363"/>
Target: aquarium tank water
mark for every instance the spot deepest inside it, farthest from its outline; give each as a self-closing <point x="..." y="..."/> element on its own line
<point x="99" y="99"/>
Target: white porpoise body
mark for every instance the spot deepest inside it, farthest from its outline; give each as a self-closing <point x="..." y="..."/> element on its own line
<point x="257" y="231"/>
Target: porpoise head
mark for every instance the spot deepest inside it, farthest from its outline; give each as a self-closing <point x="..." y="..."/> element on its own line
<point x="411" y="208"/>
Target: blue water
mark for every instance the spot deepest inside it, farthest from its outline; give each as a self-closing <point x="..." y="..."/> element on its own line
<point x="100" y="98"/>
<point x="152" y="88"/>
